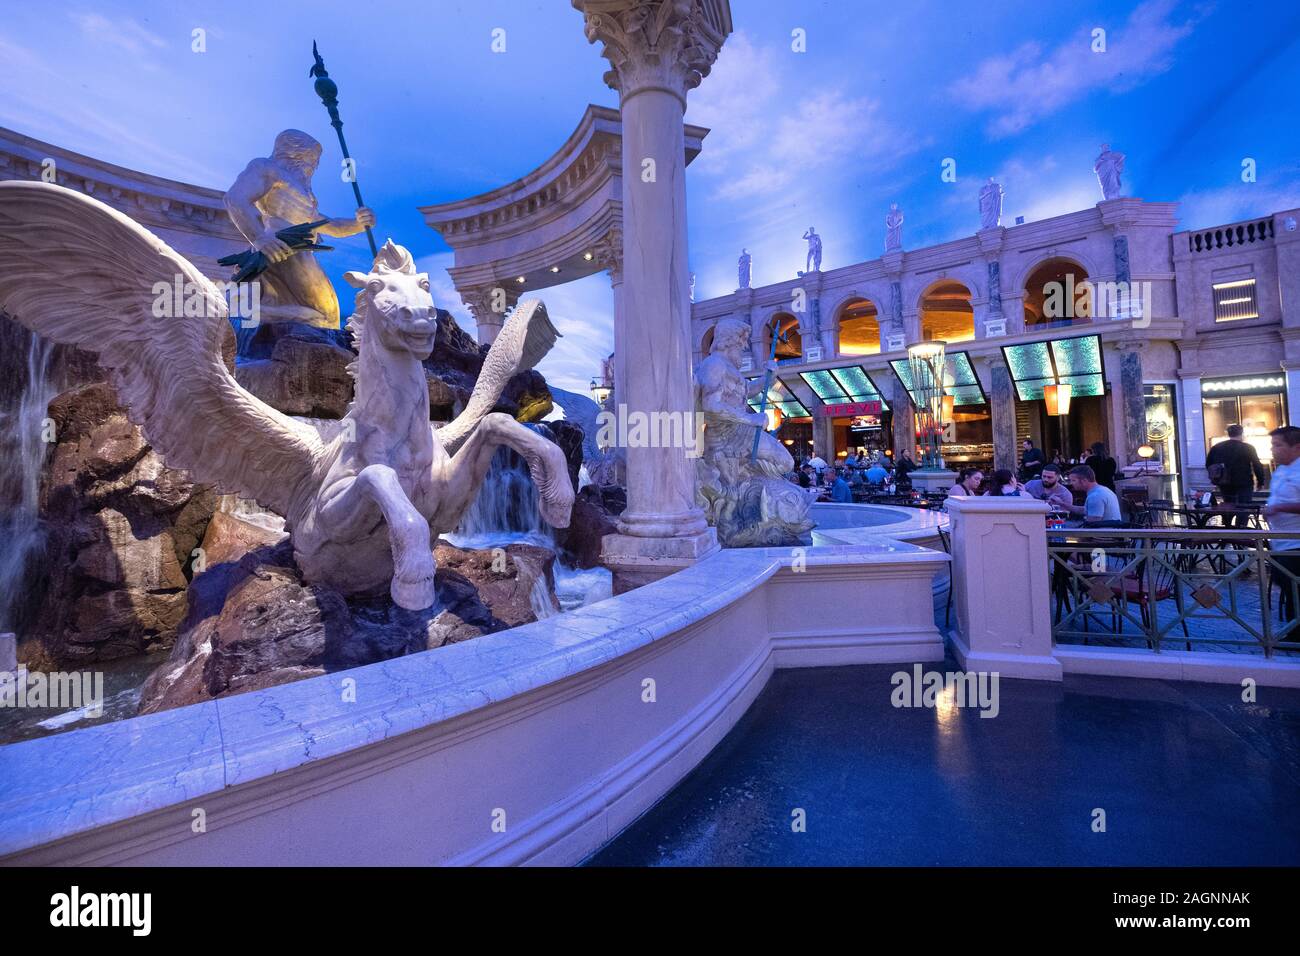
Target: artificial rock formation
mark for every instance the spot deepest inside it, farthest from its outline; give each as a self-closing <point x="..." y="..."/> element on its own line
<point x="253" y="622"/>
<point x="120" y="528"/>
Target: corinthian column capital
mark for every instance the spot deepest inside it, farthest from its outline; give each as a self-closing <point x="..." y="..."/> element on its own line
<point x="657" y="44"/>
<point x="607" y="253"/>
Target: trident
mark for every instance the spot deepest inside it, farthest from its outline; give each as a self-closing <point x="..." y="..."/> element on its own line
<point x="328" y="92"/>
<point x="777" y="336"/>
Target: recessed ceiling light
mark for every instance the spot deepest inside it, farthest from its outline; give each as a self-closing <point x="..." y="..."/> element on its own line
<point x="555" y="268"/>
<point x="520" y="279"/>
<point x="587" y="256"/>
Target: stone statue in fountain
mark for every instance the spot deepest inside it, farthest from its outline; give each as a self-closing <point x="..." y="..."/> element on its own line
<point x="1109" y="167"/>
<point x="270" y="194"/>
<point x="990" y="204"/>
<point x="813" y="261"/>
<point x="894" y="228"/>
<point x="745" y="495"/>
<point x="745" y="268"/>
<point x="363" y="510"/>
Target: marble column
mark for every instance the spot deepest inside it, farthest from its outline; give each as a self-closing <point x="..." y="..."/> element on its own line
<point x="1191" y="426"/>
<point x="489" y="306"/>
<point x="1292" y="388"/>
<point x="824" y="438"/>
<point x="903" y="420"/>
<point x="1002" y="407"/>
<point x="658" y="50"/>
<point x="1133" y="398"/>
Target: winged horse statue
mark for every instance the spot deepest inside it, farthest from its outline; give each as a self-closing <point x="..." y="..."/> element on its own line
<point x="363" y="510"/>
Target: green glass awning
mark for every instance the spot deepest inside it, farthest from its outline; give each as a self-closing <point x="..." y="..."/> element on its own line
<point x="781" y="398"/>
<point x="1075" y="362"/>
<point x="845" y="385"/>
<point x="959" y="379"/>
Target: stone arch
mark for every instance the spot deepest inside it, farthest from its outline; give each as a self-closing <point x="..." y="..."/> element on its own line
<point x="706" y="340"/>
<point x="1053" y="287"/>
<point x="946" y="312"/>
<point x="792" y="348"/>
<point x="857" y="323"/>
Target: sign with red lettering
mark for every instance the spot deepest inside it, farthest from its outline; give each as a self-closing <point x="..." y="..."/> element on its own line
<point x="849" y="410"/>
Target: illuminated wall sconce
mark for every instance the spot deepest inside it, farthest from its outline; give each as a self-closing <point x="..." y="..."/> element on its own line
<point x="1058" y="398"/>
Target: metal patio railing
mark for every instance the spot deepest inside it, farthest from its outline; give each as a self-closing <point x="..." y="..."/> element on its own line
<point x="1231" y="590"/>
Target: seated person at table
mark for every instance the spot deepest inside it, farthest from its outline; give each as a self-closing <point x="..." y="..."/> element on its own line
<point x="1005" y="485"/>
<point x="1101" y="505"/>
<point x="806" y="476"/>
<point x="1049" y="487"/>
<point x="968" y="483"/>
<point x="839" y="487"/>
<point x="877" y="474"/>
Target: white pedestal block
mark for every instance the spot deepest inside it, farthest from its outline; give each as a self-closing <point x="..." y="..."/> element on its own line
<point x="636" y="561"/>
<point x="933" y="479"/>
<point x="1001" y="591"/>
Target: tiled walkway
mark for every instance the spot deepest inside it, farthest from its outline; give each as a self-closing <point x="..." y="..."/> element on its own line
<point x="1185" y="774"/>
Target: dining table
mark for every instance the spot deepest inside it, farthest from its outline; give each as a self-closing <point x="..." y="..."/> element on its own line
<point x="1201" y="516"/>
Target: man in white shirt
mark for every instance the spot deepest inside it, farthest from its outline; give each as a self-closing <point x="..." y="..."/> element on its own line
<point x="818" y="463"/>
<point x="1283" y="509"/>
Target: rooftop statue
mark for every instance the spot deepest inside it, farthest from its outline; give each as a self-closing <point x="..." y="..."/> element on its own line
<point x="1109" y="167"/>
<point x="745" y="267"/>
<point x="894" y="228"/>
<point x="744" y="494"/>
<point x="990" y="204"/>
<point x="813" y="260"/>
<point x="364" y="509"/>
<point x="271" y="194"/>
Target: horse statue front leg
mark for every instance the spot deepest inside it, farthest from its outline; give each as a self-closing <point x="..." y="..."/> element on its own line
<point x="465" y="471"/>
<point x="349" y="511"/>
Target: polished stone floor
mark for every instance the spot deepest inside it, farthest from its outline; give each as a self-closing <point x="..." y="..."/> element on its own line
<point x="1186" y="774"/>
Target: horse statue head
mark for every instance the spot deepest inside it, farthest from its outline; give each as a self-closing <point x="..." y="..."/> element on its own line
<point x="394" y="304"/>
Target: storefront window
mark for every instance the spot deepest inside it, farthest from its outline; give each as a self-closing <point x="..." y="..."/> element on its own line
<point x="1257" y="404"/>
<point x="1162" y="436"/>
<point x="1162" y="426"/>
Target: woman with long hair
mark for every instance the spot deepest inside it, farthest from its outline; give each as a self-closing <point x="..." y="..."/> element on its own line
<point x="1005" y="485"/>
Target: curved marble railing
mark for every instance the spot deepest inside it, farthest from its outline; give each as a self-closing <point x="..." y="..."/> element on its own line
<point x="533" y="745"/>
<point x="839" y="523"/>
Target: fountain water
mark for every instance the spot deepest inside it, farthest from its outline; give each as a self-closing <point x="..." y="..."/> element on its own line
<point x="22" y="453"/>
<point x="504" y="513"/>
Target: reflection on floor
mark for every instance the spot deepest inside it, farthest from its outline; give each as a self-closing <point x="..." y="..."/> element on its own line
<point x="1185" y="774"/>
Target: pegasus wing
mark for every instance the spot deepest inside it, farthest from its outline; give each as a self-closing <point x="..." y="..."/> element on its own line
<point x="522" y="342"/>
<point x="80" y="273"/>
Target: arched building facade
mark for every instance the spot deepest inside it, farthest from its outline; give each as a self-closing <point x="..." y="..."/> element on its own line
<point x="1164" y="316"/>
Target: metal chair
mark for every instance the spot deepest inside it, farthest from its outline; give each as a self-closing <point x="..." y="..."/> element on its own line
<point x="1161" y="584"/>
<point x="945" y="540"/>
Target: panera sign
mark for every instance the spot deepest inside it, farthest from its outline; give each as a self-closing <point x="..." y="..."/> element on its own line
<point x="849" y="410"/>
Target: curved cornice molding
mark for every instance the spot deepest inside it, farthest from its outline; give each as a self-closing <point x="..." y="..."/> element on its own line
<point x="551" y="217"/>
<point x="140" y="195"/>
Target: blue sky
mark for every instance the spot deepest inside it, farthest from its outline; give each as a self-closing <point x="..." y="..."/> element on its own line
<point x="883" y="94"/>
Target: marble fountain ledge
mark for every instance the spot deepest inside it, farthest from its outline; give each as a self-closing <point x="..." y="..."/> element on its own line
<point x="61" y="787"/>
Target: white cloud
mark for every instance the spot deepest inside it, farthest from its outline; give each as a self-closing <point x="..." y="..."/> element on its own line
<point x="1032" y="82"/>
<point x="124" y="33"/>
<point x="1216" y="207"/>
<point x="782" y="153"/>
<point x="769" y="133"/>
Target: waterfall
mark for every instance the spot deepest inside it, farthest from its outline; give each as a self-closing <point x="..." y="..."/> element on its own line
<point x="22" y="455"/>
<point x="506" y="508"/>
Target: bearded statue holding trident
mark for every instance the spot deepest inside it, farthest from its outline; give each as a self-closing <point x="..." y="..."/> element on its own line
<point x="744" y="494"/>
<point x="273" y="193"/>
